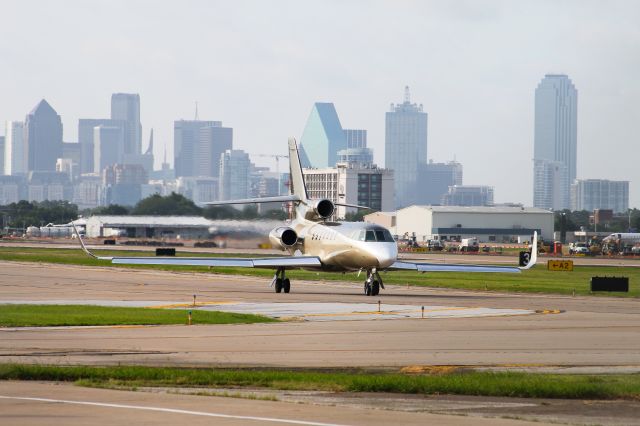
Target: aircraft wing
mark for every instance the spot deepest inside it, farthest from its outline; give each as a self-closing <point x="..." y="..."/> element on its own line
<point x="261" y="262"/>
<point x="443" y="267"/>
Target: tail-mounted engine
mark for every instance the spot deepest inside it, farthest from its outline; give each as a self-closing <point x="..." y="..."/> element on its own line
<point x="320" y="210"/>
<point x="283" y="237"/>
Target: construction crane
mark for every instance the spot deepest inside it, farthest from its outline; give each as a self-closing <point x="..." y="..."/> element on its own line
<point x="277" y="157"/>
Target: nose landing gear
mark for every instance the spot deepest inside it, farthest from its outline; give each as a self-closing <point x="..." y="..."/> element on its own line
<point x="280" y="282"/>
<point x="373" y="283"/>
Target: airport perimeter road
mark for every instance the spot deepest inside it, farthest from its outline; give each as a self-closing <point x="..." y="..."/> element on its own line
<point x="32" y="403"/>
<point x="594" y="333"/>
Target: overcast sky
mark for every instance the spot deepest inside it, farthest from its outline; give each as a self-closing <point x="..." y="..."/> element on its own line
<point x="258" y="66"/>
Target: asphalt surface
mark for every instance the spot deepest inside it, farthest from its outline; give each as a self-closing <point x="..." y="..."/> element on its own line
<point x="576" y="334"/>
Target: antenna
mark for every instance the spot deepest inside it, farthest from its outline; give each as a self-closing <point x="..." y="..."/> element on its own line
<point x="407" y="95"/>
<point x="196" y="111"/>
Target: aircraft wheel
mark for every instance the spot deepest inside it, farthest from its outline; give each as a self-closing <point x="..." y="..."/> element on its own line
<point x="375" y="288"/>
<point x="286" y="285"/>
<point x="278" y="285"/>
<point x="367" y="289"/>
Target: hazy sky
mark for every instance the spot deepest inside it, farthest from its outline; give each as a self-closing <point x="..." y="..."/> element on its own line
<point x="258" y="66"/>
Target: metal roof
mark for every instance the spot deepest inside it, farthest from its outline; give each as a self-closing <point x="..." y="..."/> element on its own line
<point x="155" y="221"/>
<point x="482" y="209"/>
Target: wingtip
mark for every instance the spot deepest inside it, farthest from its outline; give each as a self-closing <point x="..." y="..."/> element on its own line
<point x="534" y="253"/>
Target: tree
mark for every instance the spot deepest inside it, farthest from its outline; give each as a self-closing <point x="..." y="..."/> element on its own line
<point x="357" y="216"/>
<point x="111" y="209"/>
<point x="25" y="213"/>
<point x="220" y="212"/>
<point x="171" y="205"/>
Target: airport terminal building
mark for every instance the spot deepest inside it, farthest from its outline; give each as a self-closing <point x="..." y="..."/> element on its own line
<point x="487" y="224"/>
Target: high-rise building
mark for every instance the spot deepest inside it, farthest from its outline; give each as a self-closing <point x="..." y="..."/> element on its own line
<point x="405" y="147"/>
<point x="123" y="183"/>
<point x="550" y="183"/>
<point x="356" y="152"/>
<point x="468" y="195"/>
<point x="108" y="147"/>
<point x="214" y="140"/>
<point x="15" y="157"/>
<point x="1" y="155"/>
<point x="126" y="107"/>
<point x="555" y="136"/>
<point x="235" y="170"/>
<point x="322" y="137"/>
<point x="85" y="139"/>
<point x="48" y="185"/>
<point x="43" y="137"/>
<point x="352" y="184"/>
<point x="145" y="160"/>
<point x="592" y="194"/>
<point x="186" y="137"/>
<point x="435" y="180"/>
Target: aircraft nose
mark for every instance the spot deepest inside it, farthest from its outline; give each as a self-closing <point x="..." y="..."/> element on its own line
<point x="386" y="255"/>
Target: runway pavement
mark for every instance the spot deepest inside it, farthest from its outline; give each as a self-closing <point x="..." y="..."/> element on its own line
<point x="29" y="403"/>
<point x="596" y="333"/>
<point x="330" y="325"/>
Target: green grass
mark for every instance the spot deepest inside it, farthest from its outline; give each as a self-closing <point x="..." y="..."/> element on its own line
<point x="459" y="383"/>
<point x="76" y="315"/>
<point x="536" y="280"/>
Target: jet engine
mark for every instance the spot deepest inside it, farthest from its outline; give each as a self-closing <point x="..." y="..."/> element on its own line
<point x="320" y="209"/>
<point x="283" y="237"/>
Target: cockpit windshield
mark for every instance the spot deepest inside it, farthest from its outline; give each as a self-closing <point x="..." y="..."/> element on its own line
<point x="380" y="235"/>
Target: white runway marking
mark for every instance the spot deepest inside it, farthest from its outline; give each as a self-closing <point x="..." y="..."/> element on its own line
<point x="171" y="410"/>
<point x="323" y="311"/>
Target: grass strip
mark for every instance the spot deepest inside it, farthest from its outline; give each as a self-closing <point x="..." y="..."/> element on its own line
<point x="509" y="384"/>
<point x="87" y="315"/>
<point x="536" y="280"/>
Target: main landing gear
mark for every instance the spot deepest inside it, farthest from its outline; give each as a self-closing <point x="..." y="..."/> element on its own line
<point x="280" y="282"/>
<point x="373" y="283"/>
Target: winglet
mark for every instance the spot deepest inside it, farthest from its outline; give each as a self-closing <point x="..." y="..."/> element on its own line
<point x="534" y="253"/>
<point x="84" y="248"/>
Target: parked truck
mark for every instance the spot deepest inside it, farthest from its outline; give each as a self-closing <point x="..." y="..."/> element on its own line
<point x="469" y="245"/>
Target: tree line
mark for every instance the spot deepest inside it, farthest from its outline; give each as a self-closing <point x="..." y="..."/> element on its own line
<point x="25" y="213"/>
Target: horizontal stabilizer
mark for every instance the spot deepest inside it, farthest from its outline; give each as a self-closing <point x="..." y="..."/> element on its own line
<point x="278" y="199"/>
<point x="355" y="206"/>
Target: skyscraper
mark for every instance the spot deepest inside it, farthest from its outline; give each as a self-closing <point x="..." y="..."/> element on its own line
<point x="126" y="107"/>
<point x="108" y="147"/>
<point x="555" y="140"/>
<point x="322" y="137"/>
<point x="592" y="194"/>
<point x="357" y="152"/>
<point x="15" y="159"/>
<point x="235" y="169"/>
<point x="85" y="139"/>
<point x="214" y="140"/>
<point x="1" y="155"/>
<point x="43" y="137"/>
<point x="186" y="137"/>
<point x="405" y="147"/>
<point x="435" y="180"/>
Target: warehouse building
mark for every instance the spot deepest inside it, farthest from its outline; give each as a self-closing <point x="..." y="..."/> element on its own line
<point x="185" y="227"/>
<point x="487" y="224"/>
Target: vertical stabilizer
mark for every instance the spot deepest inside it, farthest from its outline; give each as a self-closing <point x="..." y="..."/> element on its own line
<point x="296" y="178"/>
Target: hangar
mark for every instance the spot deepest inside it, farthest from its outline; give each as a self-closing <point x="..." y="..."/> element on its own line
<point x="487" y="224"/>
<point x="186" y="227"/>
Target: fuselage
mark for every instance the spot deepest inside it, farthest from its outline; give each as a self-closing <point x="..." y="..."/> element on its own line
<point x="345" y="246"/>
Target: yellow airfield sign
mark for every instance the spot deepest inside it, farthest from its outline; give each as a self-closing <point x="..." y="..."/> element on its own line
<point x="560" y="265"/>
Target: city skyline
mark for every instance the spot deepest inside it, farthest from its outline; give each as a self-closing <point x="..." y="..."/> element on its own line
<point x="477" y="80"/>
